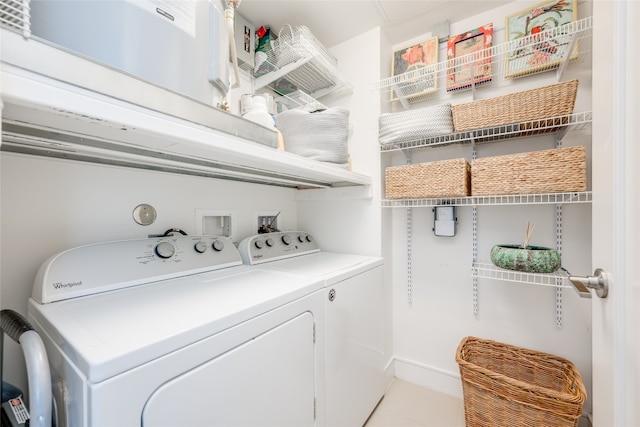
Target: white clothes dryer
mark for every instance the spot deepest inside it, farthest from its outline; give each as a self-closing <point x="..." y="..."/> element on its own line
<point x="354" y="316"/>
<point x="175" y="331"/>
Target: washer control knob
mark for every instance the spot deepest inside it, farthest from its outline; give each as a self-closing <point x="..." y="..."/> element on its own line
<point x="269" y="242"/>
<point x="200" y="247"/>
<point x="308" y="238"/>
<point x="301" y="238"/>
<point x="165" y="250"/>
<point x="258" y="244"/>
<point x="217" y="245"/>
<point x="286" y="239"/>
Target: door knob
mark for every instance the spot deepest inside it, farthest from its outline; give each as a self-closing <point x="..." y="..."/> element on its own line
<point x="598" y="281"/>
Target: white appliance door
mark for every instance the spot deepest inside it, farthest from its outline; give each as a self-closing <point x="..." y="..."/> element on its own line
<point x="279" y="365"/>
<point x="615" y="231"/>
<point x="355" y="348"/>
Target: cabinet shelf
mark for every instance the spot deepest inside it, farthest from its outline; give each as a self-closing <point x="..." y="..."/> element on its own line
<point x="62" y="105"/>
<point x="572" y="41"/>
<point x="497" y="200"/>
<point x="561" y="125"/>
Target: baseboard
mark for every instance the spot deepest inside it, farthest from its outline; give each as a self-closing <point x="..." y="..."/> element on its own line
<point x="439" y="380"/>
<point x="389" y="374"/>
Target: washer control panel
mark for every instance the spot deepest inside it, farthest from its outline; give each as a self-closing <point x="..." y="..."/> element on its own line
<point x="102" y="267"/>
<point x="275" y="246"/>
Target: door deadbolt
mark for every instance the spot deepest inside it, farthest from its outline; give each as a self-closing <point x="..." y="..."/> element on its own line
<point x="599" y="282"/>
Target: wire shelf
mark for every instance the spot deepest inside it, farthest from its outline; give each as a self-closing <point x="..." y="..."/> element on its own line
<point x="298" y="61"/>
<point x="563" y="124"/>
<point x="568" y="43"/>
<point x="497" y="200"/>
<point x="490" y="271"/>
<point x="298" y="100"/>
<point x="15" y="15"/>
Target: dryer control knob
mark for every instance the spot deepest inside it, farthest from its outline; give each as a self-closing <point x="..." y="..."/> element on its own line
<point x="269" y="242"/>
<point x="309" y="238"/>
<point x="165" y="250"/>
<point x="301" y="238"/>
<point x="200" y="247"/>
<point x="258" y="244"/>
<point x="217" y="245"/>
<point x="286" y="239"/>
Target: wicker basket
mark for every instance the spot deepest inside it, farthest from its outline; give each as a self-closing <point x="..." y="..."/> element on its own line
<point x="550" y="171"/>
<point x="505" y="385"/>
<point x="446" y="178"/>
<point x="546" y="102"/>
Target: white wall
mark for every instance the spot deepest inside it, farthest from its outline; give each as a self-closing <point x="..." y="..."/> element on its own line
<point x="333" y="221"/>
<point x="427" y="331"/>
<point x="353" y="225"/>
<point x="51" y="205"/>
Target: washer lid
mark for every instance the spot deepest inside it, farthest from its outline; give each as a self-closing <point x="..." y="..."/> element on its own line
<point x="112" y="332"/>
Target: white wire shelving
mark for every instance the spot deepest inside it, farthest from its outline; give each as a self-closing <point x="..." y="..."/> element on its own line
<point x="496" y="200"/>
<point x="561" y="125"/>
<point x="551" y="49"/>
<point x="490" y="271"/>
<point x="298" y="61"/>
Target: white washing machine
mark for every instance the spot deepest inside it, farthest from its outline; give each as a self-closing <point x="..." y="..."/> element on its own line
<point x="353" y="297"/>
<point x="175" y="331"/>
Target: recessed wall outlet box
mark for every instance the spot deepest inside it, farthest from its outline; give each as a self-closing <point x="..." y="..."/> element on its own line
<point x="267" y="221"/>
<point x="444" y="221"/>
<point x="216" y="223"/>
<point x="245" y="39"/>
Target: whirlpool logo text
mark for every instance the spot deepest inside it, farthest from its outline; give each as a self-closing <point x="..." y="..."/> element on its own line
<point x="61" y="285"/>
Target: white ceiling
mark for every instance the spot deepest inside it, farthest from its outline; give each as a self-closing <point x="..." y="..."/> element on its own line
<point x="334" y="21"/>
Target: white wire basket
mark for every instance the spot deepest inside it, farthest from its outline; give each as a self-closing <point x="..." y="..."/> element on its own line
<point x="296" y="43"/>
<point x="297" y="61"/>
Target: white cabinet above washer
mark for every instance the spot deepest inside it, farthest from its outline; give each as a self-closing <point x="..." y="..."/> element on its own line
<point x="58" y="104"/>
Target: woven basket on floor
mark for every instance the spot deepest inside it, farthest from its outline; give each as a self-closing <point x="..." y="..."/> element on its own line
<point x="535" y="104"/>
<point x="446" y="178"/>
<point x="549" y="171"/>
<point x="505" y="385"/>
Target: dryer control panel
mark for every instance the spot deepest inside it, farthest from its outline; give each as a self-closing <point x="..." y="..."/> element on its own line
<point x="275" y="246"/>
<point x="102" y="267"/>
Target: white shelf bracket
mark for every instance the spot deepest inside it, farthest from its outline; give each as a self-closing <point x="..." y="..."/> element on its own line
<point x="409" y="244"/>
<point x="569" y="53"/>
<point x="474" y="226"/>
<point x="559" y="280"/>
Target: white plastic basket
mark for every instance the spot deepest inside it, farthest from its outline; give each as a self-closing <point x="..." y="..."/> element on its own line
<point x="321" y="136"/>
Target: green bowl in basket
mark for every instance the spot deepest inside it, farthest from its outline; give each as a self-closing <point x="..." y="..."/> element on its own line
<point x="532" y="259"/>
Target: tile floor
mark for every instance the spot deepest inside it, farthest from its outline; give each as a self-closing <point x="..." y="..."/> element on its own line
<point x="409" y="405"/>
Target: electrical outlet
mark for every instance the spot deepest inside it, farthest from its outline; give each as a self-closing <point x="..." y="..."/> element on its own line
<point x="216" y="223"/>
